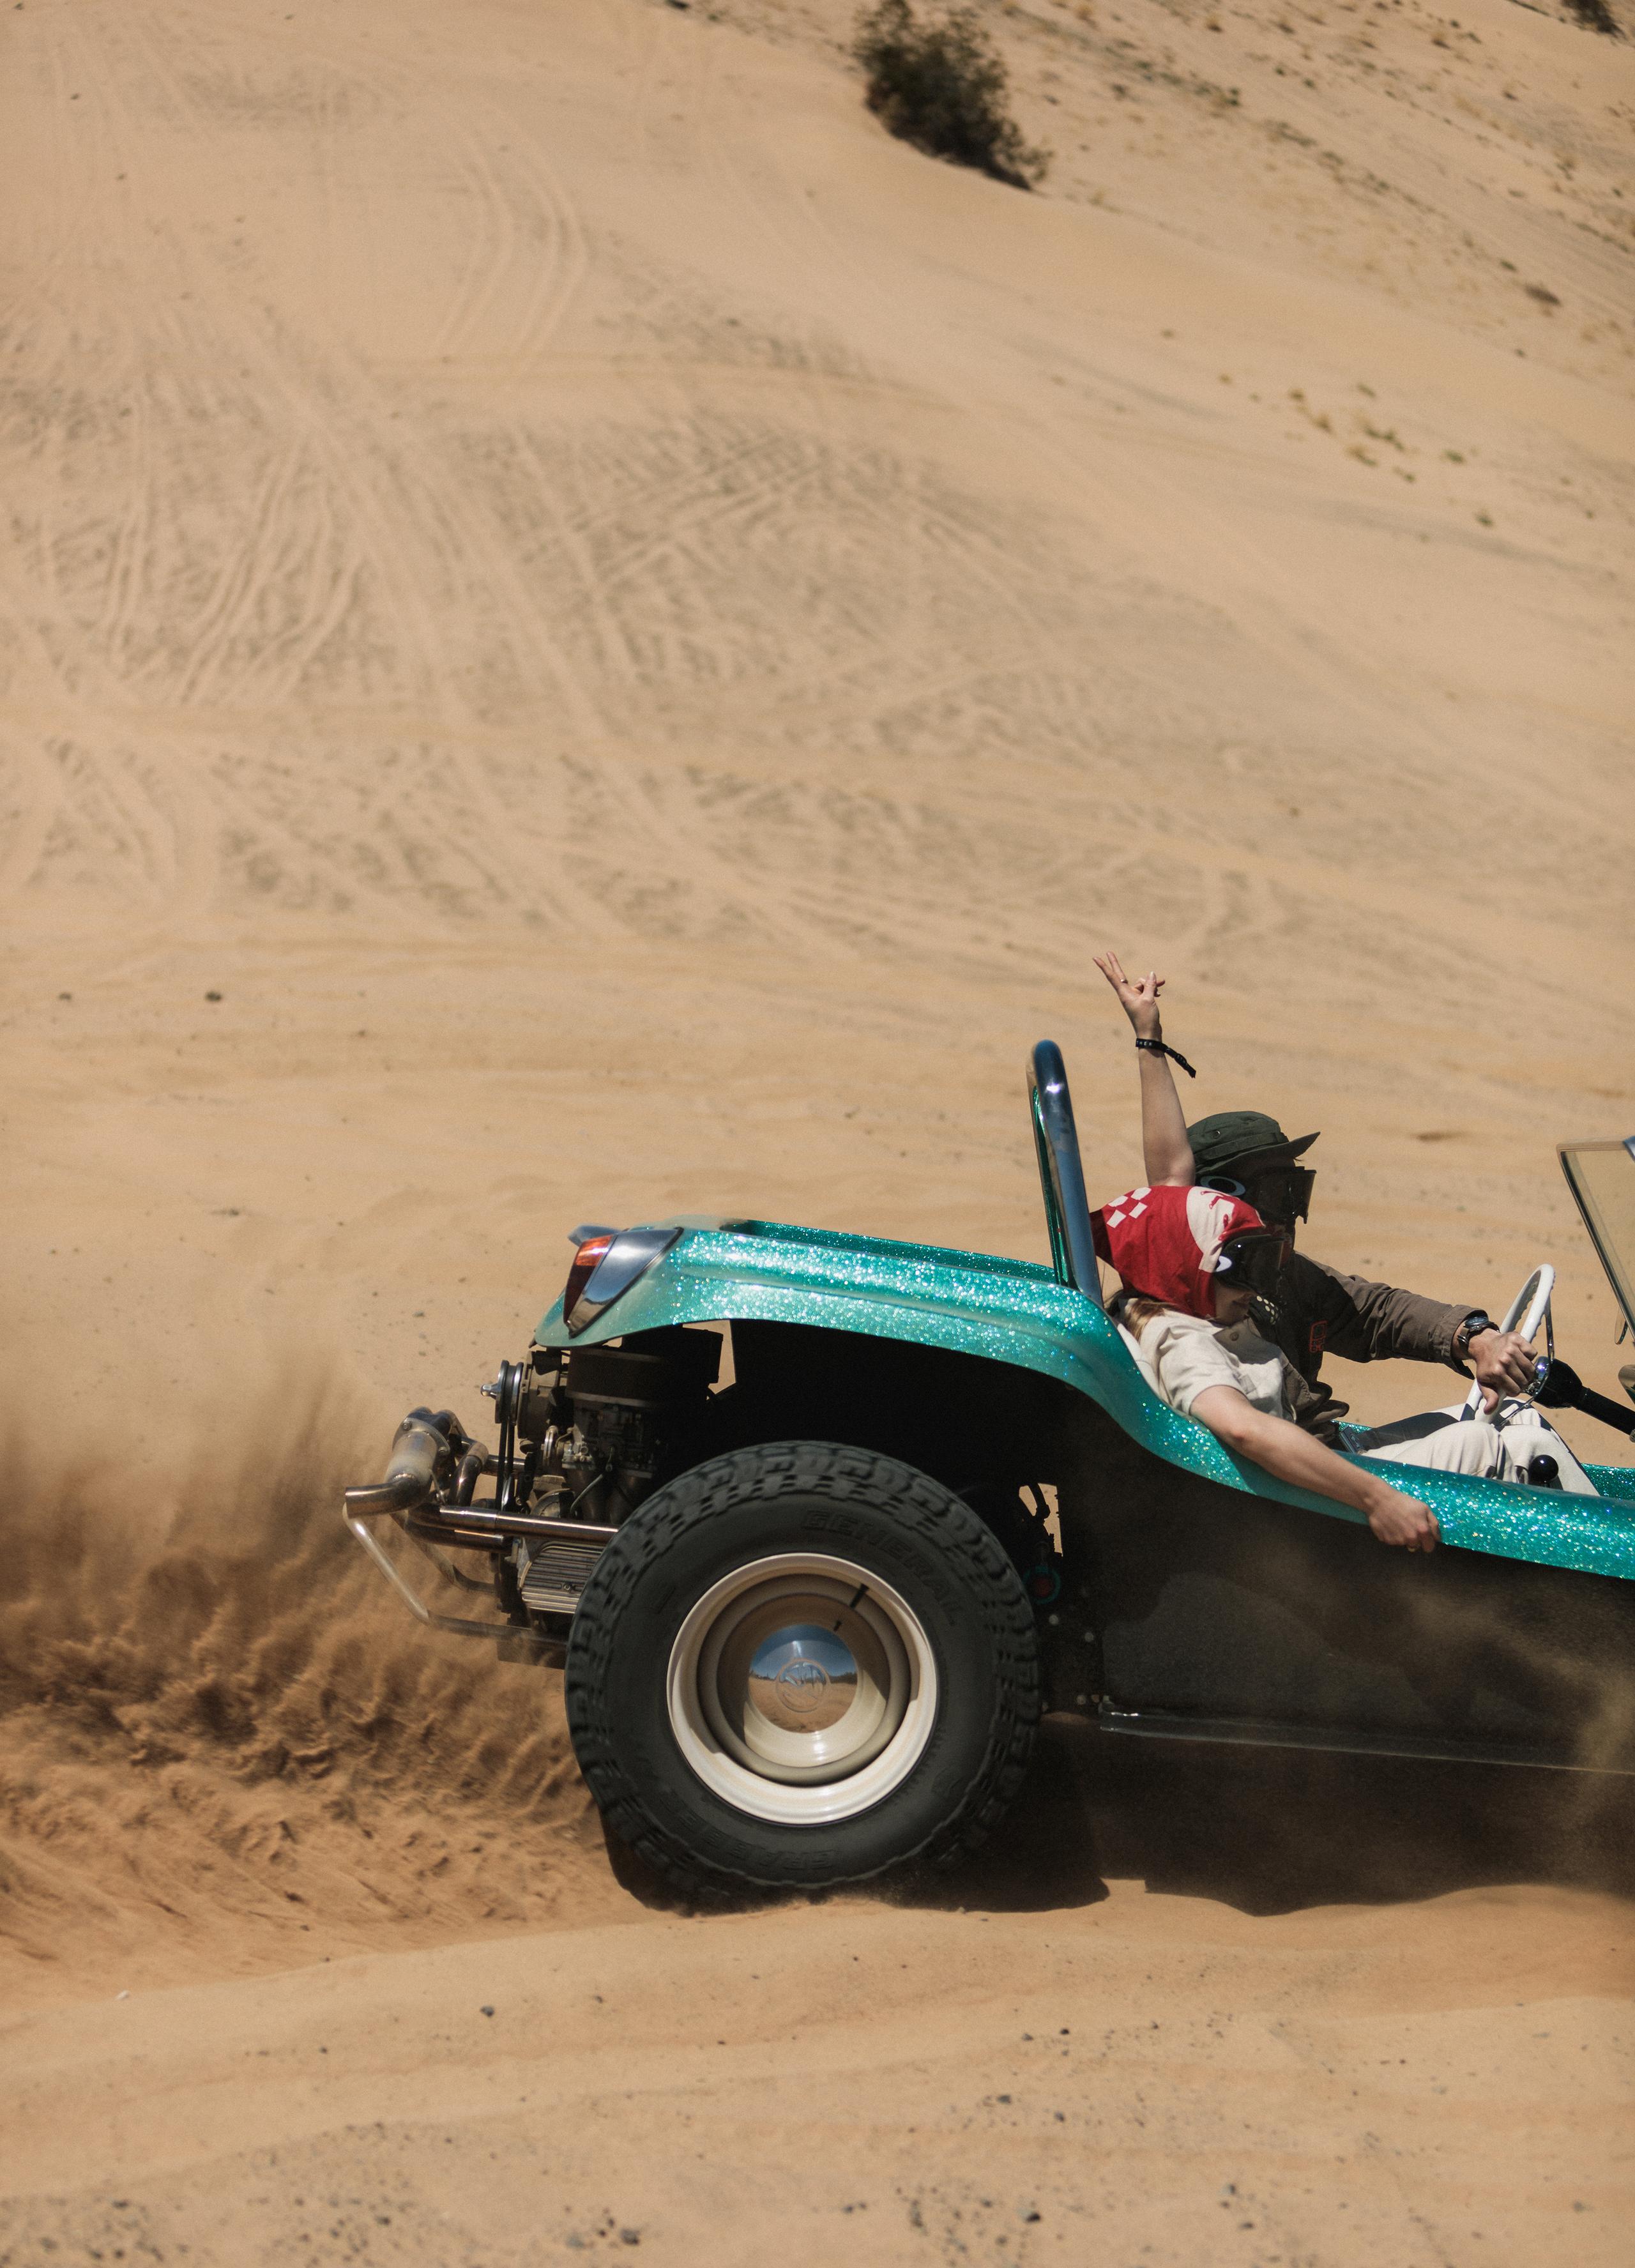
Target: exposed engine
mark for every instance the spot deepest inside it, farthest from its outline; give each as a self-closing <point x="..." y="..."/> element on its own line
<point x="585" y="1433"/>
<point x="589" y="1428"/>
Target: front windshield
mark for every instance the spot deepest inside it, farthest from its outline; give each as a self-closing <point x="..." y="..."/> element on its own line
<point x="1601" y="1177"/>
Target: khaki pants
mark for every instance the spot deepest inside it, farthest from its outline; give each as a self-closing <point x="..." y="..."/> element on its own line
<point x="1495" y="1448"/>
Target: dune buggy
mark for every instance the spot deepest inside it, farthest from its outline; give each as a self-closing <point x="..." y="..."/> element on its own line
<point x="817" y="1525"/>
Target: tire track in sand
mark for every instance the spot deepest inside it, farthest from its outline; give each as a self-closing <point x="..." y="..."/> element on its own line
<point x="530" y="260"/>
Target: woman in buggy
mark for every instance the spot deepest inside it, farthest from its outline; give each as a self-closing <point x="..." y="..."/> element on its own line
<point x="1190" y="1256"/>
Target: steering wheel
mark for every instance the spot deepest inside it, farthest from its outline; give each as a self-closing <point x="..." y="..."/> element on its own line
<point x="1527" y="1311"/>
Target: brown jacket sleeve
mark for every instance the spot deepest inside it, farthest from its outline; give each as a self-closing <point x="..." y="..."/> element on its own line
<point x="1371" y="1322"/>
<point x="1318" y="1311"/>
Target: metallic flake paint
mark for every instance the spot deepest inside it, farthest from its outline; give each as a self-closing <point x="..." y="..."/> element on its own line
<point x="1015" y="1311"/>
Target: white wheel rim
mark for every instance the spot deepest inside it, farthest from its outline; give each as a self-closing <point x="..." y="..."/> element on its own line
<point x="801" y="1688"/>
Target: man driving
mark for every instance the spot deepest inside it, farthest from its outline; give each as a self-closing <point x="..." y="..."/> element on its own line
<point x="1315" y="1310"/>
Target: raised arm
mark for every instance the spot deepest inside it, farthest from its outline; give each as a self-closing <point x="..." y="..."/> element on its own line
<point x="1167" y="1154"/>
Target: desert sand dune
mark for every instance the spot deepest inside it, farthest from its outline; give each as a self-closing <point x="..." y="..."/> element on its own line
<point x="582" y="634"/>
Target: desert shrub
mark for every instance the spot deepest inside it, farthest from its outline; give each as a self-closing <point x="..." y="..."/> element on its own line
<point x="942" y="86"/>
<point x="1595" y="16"/>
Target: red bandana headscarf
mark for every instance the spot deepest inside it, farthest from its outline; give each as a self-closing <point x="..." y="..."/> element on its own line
<point x="1165" y="1242"/>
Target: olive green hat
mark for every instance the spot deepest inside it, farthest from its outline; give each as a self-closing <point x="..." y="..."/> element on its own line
<point x="1232" y="1137"/>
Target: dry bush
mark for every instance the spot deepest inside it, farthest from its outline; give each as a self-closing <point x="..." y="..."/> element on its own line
<point x="942" y="86"/>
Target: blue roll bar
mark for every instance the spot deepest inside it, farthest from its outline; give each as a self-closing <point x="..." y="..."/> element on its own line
<point x="1061" y="1173"/>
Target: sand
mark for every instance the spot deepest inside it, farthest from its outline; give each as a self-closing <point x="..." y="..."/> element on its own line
<point x="583" y="634"/>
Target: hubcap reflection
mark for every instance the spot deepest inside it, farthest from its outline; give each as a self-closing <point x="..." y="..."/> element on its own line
<point x="803" y="1679"/>
<point x="801" y="1688"/>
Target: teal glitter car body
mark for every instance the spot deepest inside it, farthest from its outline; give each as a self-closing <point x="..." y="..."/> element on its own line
<point x="1018" y="1312"/>
<point x="808" y="1614"/>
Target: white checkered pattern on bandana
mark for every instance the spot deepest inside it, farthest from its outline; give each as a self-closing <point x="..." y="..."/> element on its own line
<point x="1166" y="1242"/>
<point x="1126" y="1208"/>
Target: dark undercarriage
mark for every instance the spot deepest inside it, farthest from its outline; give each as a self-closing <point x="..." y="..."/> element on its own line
<point x="1164" y="1603"/>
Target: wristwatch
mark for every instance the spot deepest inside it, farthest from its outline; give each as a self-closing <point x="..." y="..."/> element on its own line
<point x="1472" y="1327"/>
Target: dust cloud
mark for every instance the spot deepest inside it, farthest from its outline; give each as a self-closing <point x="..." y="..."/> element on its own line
<point x="216" y="1726"/>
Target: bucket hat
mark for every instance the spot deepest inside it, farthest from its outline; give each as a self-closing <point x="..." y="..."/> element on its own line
<point x="1230" y="1137"/>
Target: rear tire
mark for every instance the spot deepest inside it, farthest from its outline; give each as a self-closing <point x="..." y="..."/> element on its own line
<point x="797" y="1666"/>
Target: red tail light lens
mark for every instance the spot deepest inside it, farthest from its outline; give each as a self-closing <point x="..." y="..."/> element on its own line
<point x="606" y="1265"/>
<point x="586" y="1260"/>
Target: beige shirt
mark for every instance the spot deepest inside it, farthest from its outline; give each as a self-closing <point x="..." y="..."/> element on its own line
<point x="1183" y="1355"/>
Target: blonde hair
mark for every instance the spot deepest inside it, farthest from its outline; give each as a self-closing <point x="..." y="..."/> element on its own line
<point x="1135" y="1311"/>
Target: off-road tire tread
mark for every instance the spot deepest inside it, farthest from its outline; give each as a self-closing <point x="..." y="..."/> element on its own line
<point x="829" y="1469"/>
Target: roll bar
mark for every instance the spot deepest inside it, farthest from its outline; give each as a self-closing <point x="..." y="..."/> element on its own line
<point x="1061" y="1173"/>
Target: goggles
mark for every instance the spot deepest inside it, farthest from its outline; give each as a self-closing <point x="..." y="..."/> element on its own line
<point x="1254" y="1259"/>
<point x="1276" y="1192"/>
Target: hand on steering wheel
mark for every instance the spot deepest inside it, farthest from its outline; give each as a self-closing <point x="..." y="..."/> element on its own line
<point x="1501" y="1363"/>
<point x="1503" y="1360"/>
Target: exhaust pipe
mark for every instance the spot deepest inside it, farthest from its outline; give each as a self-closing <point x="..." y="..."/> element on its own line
<point x="420" y="1450"/>
<point x="423" y="1454"/>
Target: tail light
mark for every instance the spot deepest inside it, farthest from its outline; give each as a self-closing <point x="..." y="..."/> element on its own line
<point x="606" y="1265"/>
<point x="586" y="1260"/>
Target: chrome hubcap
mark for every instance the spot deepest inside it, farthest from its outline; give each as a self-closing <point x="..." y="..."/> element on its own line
<point x="802" y="1679"/>
<point x="801" y="1688"/>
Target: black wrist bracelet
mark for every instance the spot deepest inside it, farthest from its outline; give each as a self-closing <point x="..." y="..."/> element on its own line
<point x="1157" y="1048"/>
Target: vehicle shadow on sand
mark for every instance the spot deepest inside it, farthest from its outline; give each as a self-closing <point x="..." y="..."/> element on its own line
<point x="1266" y="1830"/>
<point x="1271" y="1831"/>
